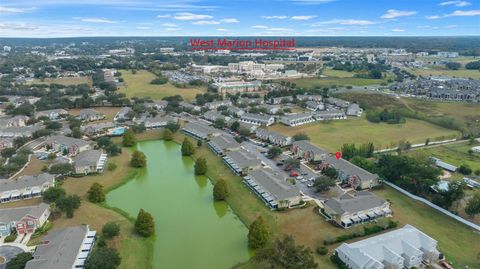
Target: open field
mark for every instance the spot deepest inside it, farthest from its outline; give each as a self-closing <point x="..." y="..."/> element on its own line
<point x="332" y="135"/>
<point x="310" y="83"/>
<point x="464" y="73"/>
<point x="64" y="81"/>
<point x="138" y="85"/>
<point x="337" y="73"/>
<point x="109" y="112"/>
<point x="456" y="154"/>
<point x="458" y="111"/>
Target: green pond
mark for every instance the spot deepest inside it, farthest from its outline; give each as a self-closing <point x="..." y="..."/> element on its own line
<point x="192" y="230"/>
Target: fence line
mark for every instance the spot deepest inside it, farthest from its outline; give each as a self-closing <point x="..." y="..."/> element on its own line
<point x="434" y="206"/>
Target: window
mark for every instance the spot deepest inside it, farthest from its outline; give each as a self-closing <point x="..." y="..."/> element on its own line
<point x="20" y="225"/>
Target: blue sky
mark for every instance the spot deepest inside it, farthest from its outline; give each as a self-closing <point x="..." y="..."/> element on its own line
<point x="67" y="18"/>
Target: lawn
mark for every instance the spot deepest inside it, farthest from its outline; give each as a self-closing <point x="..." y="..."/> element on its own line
<point x="310" y="83"/>
<point x="64" y="81"/>
<point x="332" y="135"/>
<point x="337" y="73"/>
<point x="109" y="112"/>
<point x="456" y="154"/>
<point x="138" y="85"/>
<point x="475" y="74"/>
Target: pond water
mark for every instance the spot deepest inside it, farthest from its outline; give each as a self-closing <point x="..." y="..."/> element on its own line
<point x="192" y="231"/>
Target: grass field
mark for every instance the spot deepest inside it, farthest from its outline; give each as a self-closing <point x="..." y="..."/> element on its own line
<point x="332" y="135"/>
<point x="310" y="83"/>
<point x="338" y="73"/>
<point x="456" y="154"/>
<point x="138" y="85"/>
<point x="462" y="73"/>
<point x="64" y="81"/>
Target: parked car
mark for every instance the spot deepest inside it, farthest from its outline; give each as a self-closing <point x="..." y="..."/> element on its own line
<point x="310" y="185"/>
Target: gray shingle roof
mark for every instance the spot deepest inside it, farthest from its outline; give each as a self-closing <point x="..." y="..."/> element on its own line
<point x="243" y="158"/>
<point x="87" y="158"/>
<point x="61" y="250"/>
<point x="67" y="141"/>
<point x="17" y="213"/>
<point x="274" y="183"/>
<point x="352" y="204"/>
<point x="25" y="182"/>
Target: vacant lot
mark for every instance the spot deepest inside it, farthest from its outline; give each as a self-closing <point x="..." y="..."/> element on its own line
<point x="332" y="135"/>
<point x="338" y="73"/>
<point x="462" y="73"/>
<point x="64" y="81"/>
<point x="310" y="83"/>
<point x="456" y="154"/>
<point x="138" y="85"/>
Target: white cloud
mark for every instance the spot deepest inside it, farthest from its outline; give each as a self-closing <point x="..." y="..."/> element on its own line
<point x="95" y="20"/>
<point x="260" y="27"/>
<point x="423" y="26"/>
<point x="433" y="17"/>
<point x="455" y="3"/>
<point x="14" y="10"/>
<point x="393" y="13"/>
<point x="143" y="27"/>
<point x="464" y="13"/>
<point x="345" y="22"/>
<point x="222" y="30"/>
<point x="164" y="16"/>
<point x="169" y="24"/>
<point x="303" y="17"/>
<point x="274" y="17"/>
<point x="187" y="16"/>
<point x="172" y="29"/>
<point x="451" y="26"/>
<point x="206" y="22"/>
<point x="230" y="20"/>
<point x="398" y="30"/>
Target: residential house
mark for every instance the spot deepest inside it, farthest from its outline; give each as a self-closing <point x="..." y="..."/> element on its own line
<point x="273" y="137"/>
<point x="90" y="115"/>
<point x="234" y="87"/>
<point x="157" y="105"/>
<point x="258" y="119"/>
<point x="316" y="98"/>
<point x="222" y="144"/>
<point x="96" y="128"/>
<point x="406" y="247"/>
<point x="250" y="101"/>
<point x="356" y="177"/>
<point x="52" y="114"/>
<point x="241" y="161"/>
<point x="188" y="106"/>
<point x="280" y="100"/>
<point x="307" y="151"/>
<point x="25" y="187"/>
<point x="6" y="143"/>
<point x="297" y="119"/>
<point x="331" y="114"/>
<point x="217" y="104"/>
<point x="16" y="121"/>
<point x="235" y="111"/>
<point x="213" y="115"/>
<point x="337" y="102"/>
<point x="348" y="210"/>
<point x="270" y="109"/>
<point x="159" y="121"/>
<point x="200" y="130"/>
<point x="90" y="161"/>
<point x="63" y="248"/>
<point x="273" y="188"/>
<point x="124" y="114"/>
<point x="73" y="146"/>
<point x="315" y="105"/>
<point x="354" y="110"/>
<point x="23" y="219"/>
<point x="248" y="126"/>
<point x="444" y="165"/>
<point x="25" y="131"/>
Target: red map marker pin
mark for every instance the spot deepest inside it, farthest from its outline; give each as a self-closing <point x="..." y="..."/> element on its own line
<point x="338" y="155"/>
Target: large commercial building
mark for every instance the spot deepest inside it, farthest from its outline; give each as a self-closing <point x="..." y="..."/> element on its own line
<point x="234" y="87"/>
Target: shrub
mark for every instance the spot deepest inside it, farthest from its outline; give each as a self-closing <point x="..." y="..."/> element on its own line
<point x="110" y="229"/>
<point x="111" y="166"/>
<point x="322" y="250"/>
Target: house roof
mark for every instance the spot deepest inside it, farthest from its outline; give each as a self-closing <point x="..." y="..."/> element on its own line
<point x="407" y="240"/>
<point x="258" y="117"/>
<point x="274" y="183"/>
<point x="305" y="145"/>
<point x="61" y="250"/>
<point x="89" y="112"/>
<point x="201" y="128"/>
<point x="349" y="168"/>
<point x="25" y="182"/>
<point x="17" y="213"/>
<point x="67" y="141"/>
<point x="243" y="158"/>
<point x="224" y="142"/>
<point x="351" y="204"/>
<point x="87" y="158"/>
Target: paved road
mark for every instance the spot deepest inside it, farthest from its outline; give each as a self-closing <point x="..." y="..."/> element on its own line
<point x="9" y="252"/>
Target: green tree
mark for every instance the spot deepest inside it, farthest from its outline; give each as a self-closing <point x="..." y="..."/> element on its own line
<point x="144" y="224"/>
<point x="138" y="159"/>
<point x="323" y="184"/>
<point x="285" y="254"/>
<point x="301" y="136"/>
<point x="128" y="138"/>
<point x="53" y="194"/>
<point x="220" y="190"/>
<point x="464" y="169"/>
<point x="68" y="204"/>
<point x="96" y="194"/>
<point x="103" y="258"/>
<point x="8" y="152"/>
<point x="110" y="229"/>
<point x="200" y="166"/>
<point x="235" y="126"/>
<point x="258" y="235"/>
<point x="274" y="152"/>
<point x="219" y="123"/>
<point x="172" y="126"/>
<point x="473" y="205"/>
<point x="61" y="169"/>
<point x="187" y="148"/>
<point x="330" y="172"/>
<point x="19" y="261"/>
<point x="167" y="135"/>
